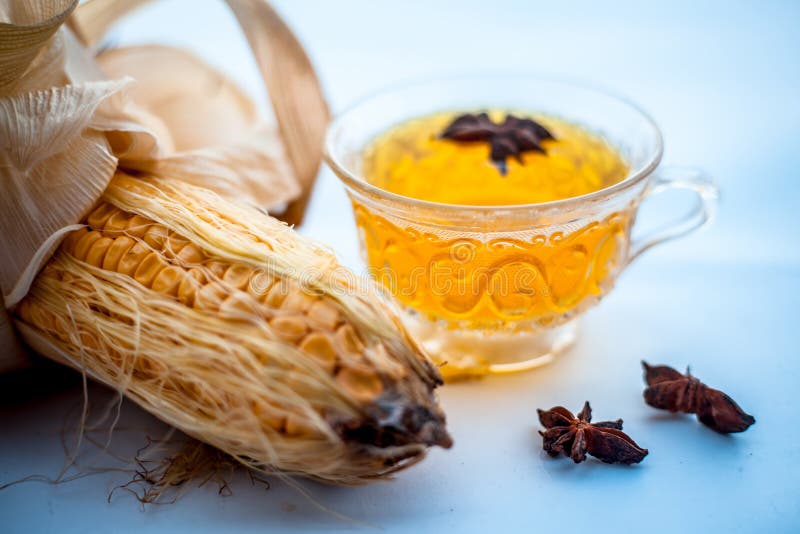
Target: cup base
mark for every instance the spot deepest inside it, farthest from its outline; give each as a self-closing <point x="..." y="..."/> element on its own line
<point x="474" y="353"/>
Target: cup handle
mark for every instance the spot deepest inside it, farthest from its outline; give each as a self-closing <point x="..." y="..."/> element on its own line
<point x="702" y="212"/>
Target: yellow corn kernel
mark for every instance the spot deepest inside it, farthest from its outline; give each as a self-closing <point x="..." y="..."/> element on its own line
<point x="149" y="268"/>
<point x="259" y="285"/>
<point x="98" y="217"/>
<point x="217" y="268"/>
<point x="138" y="226"/>
<point x="289" y="327"/>
<point x="156" y="236"/>
<point x="237" y="276"/>
<point x="320" y="347"/>
<point x="72" y="240"/>
<point x="168" y="280"/>
<point x="297" y="426"/>
<point x="117" y="222"/>
<point x="324" y="314"/>
<point x="189" y="286"/>
<point x="297" y="301"/>
<point x="132" y="258"/>
<point x="237" y="305"/>
<point x="210" y="297"/>
<point x="361" y="383"/>
<point x="84" y="244"/>
<point x="116" y="251"/>
<point x="190" y="254"/>
<point x="97" y="252"/>
<point x="277" y="294"/>
<point x="348" y="340"/>
<point x="174" y="244"/>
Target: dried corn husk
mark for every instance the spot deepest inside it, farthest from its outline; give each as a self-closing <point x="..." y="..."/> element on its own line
<point x="226" y="145"/>
<point x="299" y="106"/>
<point x="65" y="129"/>
<point x="230" y="326"/>
<point x="33" y="52"/>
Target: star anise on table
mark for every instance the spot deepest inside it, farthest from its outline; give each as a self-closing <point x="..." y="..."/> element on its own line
<point x="575" y="436"/>
<point x="512" y="137"/>
<point x="668" y="389"/>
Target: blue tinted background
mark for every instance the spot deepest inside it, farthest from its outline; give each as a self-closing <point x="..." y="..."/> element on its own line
<point x="723" y="81"/>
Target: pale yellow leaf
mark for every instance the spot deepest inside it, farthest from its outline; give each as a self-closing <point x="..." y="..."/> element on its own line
<point x="53" y="168"/>
<point x="217" y="138"/>
<point x="294" y="89"/>
<point x="255" y="170"/>
<point x="30" y="50"/>
<point x="288" y="75"/>
<point x="199" y="106"/>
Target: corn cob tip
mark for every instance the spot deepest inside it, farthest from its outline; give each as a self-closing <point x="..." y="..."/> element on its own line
<point x="436" y="434"/>
<point x="428" y="426"/>
<point x="393" y="421"/>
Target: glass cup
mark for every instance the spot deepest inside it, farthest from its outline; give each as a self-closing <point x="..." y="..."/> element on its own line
<point x="497" y="289"/>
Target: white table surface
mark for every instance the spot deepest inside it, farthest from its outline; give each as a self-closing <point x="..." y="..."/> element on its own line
<point x="723" y="80"/>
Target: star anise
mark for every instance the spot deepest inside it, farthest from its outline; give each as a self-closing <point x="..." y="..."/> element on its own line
<point x="668" y="389"/>
<point x="512" y="137"/>
<point x="576" y="436"/>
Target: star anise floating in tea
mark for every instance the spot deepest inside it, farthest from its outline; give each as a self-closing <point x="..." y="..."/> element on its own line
<point x="577" y="436"/>
<point x="668" y="389"/>
<point x="512" y="137"/>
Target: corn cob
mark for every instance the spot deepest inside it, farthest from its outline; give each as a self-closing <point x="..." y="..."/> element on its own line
<point x="228" y="325"/>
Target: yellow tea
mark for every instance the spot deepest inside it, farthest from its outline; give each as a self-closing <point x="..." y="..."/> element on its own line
<point x="413" y="160"/>
<point x="492" y="279"/>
